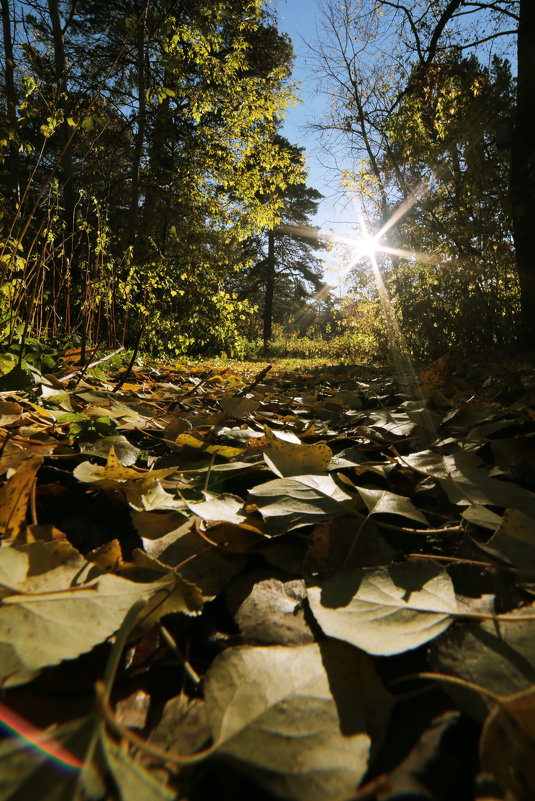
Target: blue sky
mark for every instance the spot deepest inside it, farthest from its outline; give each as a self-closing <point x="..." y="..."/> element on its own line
<point x="299" y="19"/>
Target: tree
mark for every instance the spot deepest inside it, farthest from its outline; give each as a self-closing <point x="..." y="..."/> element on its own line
<point x="174" y="107"/>
<point x="443" y="135"/>
<point x="10" y="111"/>
<point x="387" y="50"/>
<point x="286" y="265"/>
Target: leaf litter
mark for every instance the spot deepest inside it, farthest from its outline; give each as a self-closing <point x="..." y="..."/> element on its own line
<point x="313" y="584"/>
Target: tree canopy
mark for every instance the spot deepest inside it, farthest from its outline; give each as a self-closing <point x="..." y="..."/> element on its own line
<point x="417" y="109"/>
<point x="140" y="150"/>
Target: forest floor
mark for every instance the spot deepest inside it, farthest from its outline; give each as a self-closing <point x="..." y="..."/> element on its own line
<point x="313" y="583"/>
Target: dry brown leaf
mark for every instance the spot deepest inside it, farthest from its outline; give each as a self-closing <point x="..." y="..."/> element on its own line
<point x="437" y="374"/>
<point x="14" y="497"/>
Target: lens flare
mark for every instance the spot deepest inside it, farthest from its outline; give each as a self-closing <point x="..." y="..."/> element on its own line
<point x="37" y="740"/>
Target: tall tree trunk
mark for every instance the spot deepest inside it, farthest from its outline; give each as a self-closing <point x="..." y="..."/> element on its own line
<point x="270" y="288"/>
<point x="523" y="169"/>
<point x="13" y="161"/>
<point x="140" y="133"/>
<point x="161" y="133"/>
<point x="60" y="67"/>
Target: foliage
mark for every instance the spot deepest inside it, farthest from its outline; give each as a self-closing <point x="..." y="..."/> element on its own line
<point x="285" y="268"/>
<point x="147" y="155"/>
<point x="442" y="136"/>
<point x="417" y="114"/>
<point x="274" y="586"/>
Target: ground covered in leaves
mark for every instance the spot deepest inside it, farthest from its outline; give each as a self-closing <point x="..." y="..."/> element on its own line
<point x="229" y="582"/>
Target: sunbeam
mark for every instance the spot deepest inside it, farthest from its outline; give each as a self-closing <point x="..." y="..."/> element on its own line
<point x="368" y="246"/>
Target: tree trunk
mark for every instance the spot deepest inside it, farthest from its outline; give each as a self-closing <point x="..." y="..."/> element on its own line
<point x="67" y="172"/>
<point x="140" y="133"/>
<point x="523" y="169"/>
<point x="13" y="161"/>
<point x="270" y="288"/>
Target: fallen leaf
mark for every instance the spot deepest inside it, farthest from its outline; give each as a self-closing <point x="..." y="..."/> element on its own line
<point x="514" y="541"/>
<point x="385" y="502"/>
<point x="385" y="611"/>
<point x="507" y="746"/>
<point x="437" y="374"/>
<point x="273" y="614"/>
<point x="227" y="508"/>
<point x="14" y="497"/>
<point x="289" y="459"/>
<point x="289" y="502"/>
<point x="28" y="773"/>
<point x="131" y="778"/>
<point x="43" y="622"/>
<point x="10" y="412"/>
<point x="191" y="441"/>
<point x="283" y="725"/>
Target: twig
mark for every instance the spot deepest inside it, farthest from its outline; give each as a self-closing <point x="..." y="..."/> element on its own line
<point x="196" y="387"/>
<point x="91" y="364"/>
<point x="469" y="685"/>
<point x="103" y="689"/>
<point x="180" y="656"/>
<point x="407" y="530"/>
<point x="257" y="379"/>
<point x="473" y="562"/>
<point x="225" y="415"/>
<point x="86" y="365"/>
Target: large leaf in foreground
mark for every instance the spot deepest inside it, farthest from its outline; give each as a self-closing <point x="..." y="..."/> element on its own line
<point x="42" y="626"/>
<point x="27" y="773"/>
<point x="514" y="541"/>
<point x="273" y="710"/>
<point x="507" y="746"/>
<point x="386" y="610"/>
<point x="132" y="780"/>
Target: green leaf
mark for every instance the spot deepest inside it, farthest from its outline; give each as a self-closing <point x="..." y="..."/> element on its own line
<point x="298" y="729"/>
<point x="385" y="611"/>
<point x="16" y="379"/>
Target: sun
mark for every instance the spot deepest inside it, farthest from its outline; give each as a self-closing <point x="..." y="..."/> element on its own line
<point x="367" y="246"/>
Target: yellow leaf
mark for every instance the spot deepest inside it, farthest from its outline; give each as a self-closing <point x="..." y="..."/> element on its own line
<point x="14" y="497"/>
<point x="220" y="450"/>
<point x="292" y="459"/>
